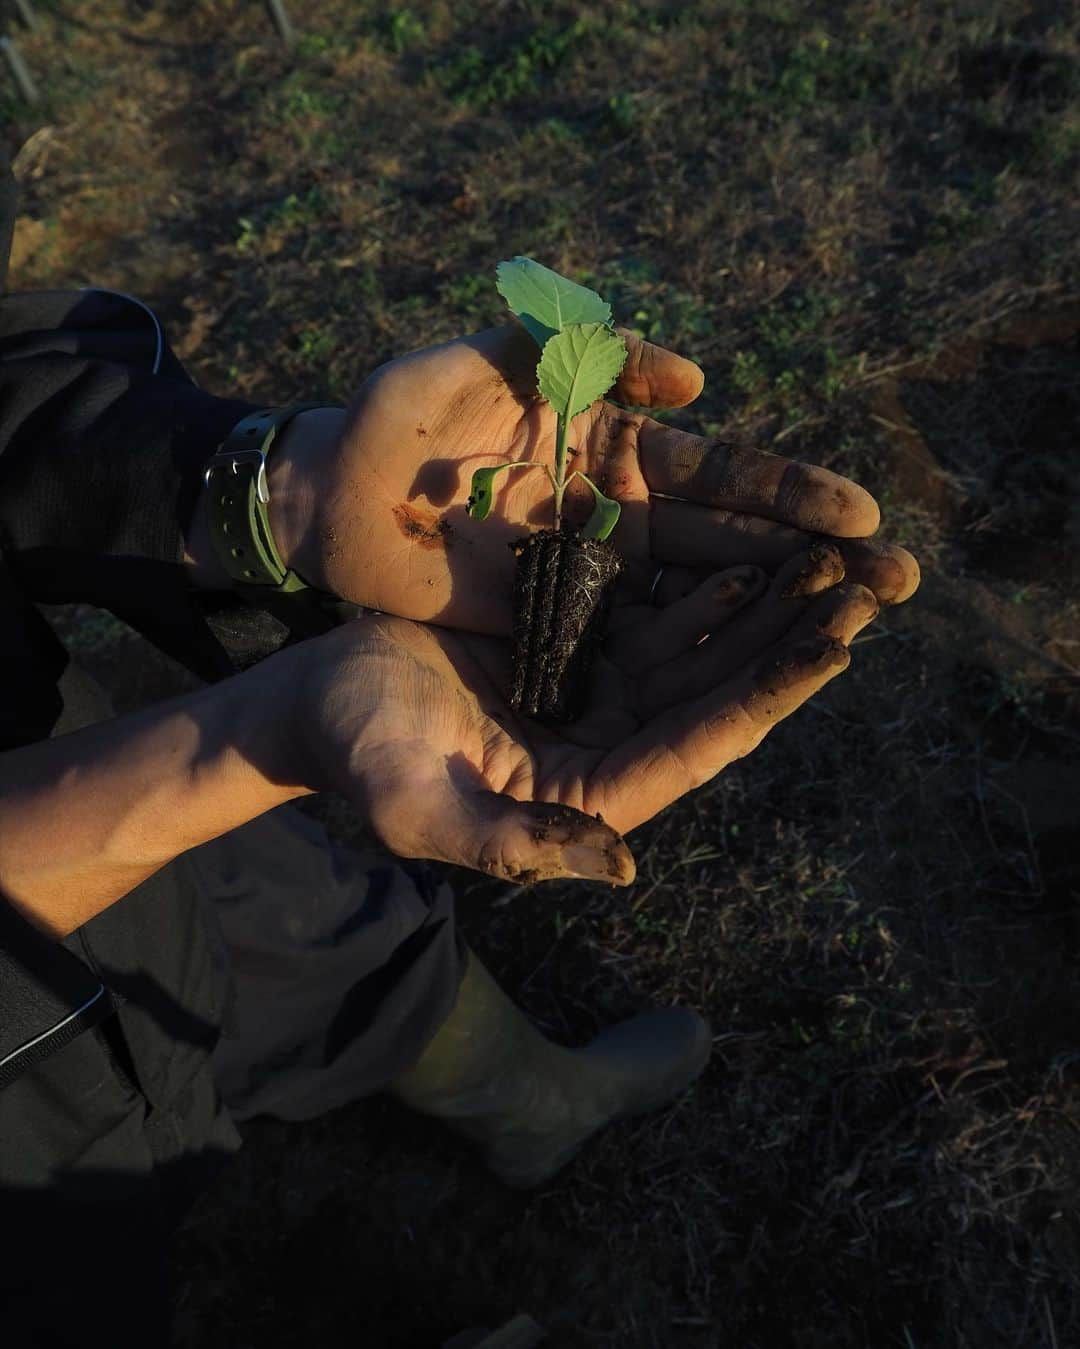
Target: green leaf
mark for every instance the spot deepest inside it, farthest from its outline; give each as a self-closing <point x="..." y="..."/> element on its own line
<point x="605" y="514"/>
<point x="538" y="331"/>
<point x="545" y="301"/>
<point x="482" y="488"/>
<point x="578" y="366"/>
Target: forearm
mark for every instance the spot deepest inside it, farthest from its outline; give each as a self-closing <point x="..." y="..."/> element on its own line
<point x="86" y="817"/>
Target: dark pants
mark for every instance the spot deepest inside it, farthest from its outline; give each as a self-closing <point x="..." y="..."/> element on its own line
<point x="327" y="972"/>
<point x="344" y="965"/>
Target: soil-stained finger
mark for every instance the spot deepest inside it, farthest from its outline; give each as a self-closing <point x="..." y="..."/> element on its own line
<point x="521" y="841"/>
<point x="678" y="629"/>
<point x="741" y="478"/>
<point x="885" y="568"/>
<point x="687" y="746"/>
<point x="840" y="613"/>
<point x="561" y="841"/>
<point x="655" y="377"/>
<point x="693" y="536"/>
<point x="757" y="628"/>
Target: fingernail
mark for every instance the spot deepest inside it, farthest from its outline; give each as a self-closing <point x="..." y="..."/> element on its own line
<point x="825" y="651"/>
<point x="754" y="580"/>
<point x="594" y="864"/>
<point x="823" y="568"/>
<point x="809" y="655"/>
<point x="745" y="579"/>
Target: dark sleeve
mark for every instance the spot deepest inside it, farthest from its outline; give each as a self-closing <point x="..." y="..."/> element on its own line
<point x="103" y="437"/>
<point x="47" y="995"/>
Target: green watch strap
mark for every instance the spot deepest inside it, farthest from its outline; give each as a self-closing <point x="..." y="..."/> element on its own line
<point x="239" y="499"/>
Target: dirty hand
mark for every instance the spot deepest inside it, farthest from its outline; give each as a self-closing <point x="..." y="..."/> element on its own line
<point x="372" y="507"/>
<point x="410" y="721"/>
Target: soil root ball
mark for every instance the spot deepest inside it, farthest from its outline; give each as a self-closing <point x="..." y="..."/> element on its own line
<point x="562" y="597"/>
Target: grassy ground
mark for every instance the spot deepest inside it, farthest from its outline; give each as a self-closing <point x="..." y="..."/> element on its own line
<point x="861" y="219"/>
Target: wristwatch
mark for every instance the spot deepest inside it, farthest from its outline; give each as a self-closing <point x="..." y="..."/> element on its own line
<point x="239" y="498"/>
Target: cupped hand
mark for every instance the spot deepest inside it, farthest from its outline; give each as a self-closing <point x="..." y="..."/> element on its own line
<point x="410" y="721"/>
<point x="382" y="518"/>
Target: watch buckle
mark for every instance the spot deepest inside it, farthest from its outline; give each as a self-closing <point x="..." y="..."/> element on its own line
<point x="230" y="459"/>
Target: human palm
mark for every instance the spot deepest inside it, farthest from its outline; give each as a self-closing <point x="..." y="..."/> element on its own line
<point x="402" y="541"/>
<point x="442" y="768"/>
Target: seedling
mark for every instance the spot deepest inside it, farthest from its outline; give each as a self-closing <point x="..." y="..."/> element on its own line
<point x="564" y="577"/>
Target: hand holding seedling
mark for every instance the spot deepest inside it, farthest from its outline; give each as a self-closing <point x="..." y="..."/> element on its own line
<point x="412" y="723"/>
<point x="377" y="512"/>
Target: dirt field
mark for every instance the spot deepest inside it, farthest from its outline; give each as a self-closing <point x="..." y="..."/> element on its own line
<point x="862" y="220"/>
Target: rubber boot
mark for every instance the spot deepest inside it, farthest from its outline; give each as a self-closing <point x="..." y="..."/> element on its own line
<point x="530" y="1104"/>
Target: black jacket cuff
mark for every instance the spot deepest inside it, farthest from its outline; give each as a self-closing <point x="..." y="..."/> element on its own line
<point x="47" y="995"/>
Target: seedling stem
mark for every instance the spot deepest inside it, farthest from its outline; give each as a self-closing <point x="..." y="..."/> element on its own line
<point x="580" y="358"/>
<point x="560" y="467"/>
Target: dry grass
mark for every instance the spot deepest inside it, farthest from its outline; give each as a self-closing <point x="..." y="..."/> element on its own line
<point x="861" y="219"/>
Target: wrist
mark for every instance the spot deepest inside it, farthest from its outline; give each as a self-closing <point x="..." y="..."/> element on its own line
<point x="257" y="714"/>
<point x="323" y="695"/>
<point x="299" y="471"/>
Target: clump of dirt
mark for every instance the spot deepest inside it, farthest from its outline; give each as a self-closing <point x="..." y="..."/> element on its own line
<point x="424" y="528"/>
<point x="524" y="876"/>
<point x="562" y="597"/>
<point x="813" y="576"/>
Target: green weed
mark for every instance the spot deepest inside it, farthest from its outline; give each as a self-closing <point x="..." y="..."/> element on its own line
<point x="315" y="345"/>
<point x="403" y="31"/>
<point x="300" y="101"/>
<point x="481" y="78"/>
<point x="294" y="212"/>
<point x="469" y="298"/>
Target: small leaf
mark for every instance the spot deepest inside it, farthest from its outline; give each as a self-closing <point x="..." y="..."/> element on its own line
<point x="578" y="366"/>
<point x="482" y="489"/>
<point x="545" y="301"/>
<point x="605" y="514"/>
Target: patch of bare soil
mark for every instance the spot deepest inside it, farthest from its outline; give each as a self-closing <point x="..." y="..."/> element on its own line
<point x="987" y="436"/>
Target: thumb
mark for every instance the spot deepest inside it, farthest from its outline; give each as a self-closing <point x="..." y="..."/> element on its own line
<point x="654" y="377"/>
<point x="529" y="841"/>
<point x="520" y="841"/>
